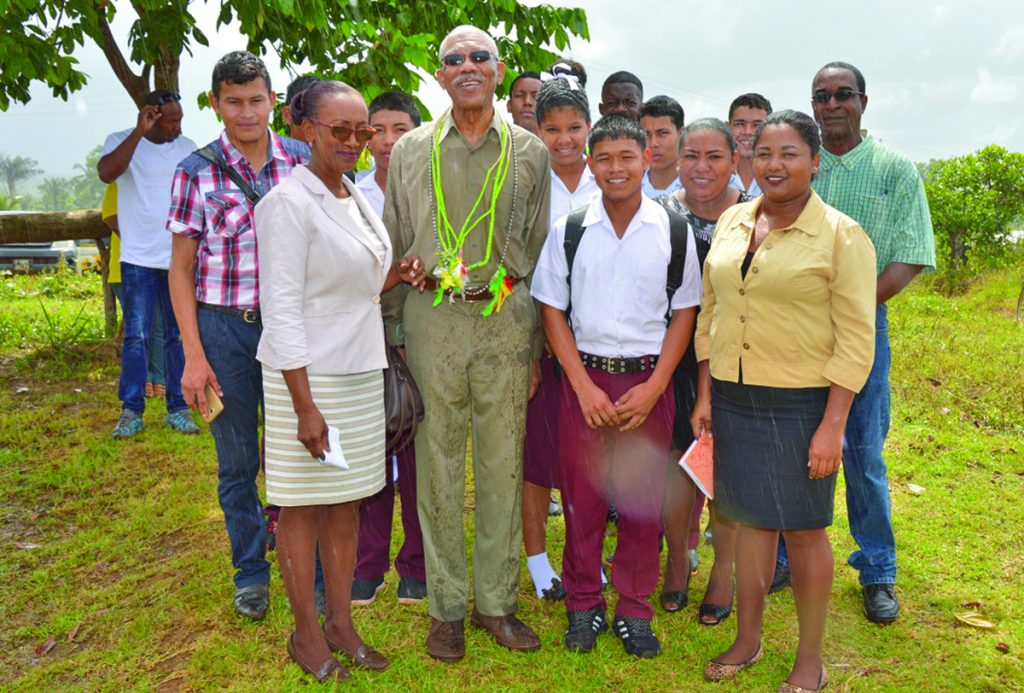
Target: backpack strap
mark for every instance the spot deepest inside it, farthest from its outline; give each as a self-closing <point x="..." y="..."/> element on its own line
<point x="212" y="153"/>
<point x="573" y="235"/>
<point x="677" y="229"/>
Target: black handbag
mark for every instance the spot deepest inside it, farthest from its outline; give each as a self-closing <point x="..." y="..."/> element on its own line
<point x="403" y="406"/>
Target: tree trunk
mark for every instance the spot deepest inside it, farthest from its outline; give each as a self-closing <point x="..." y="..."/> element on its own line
<point x="957" y="250"/>
<point x="109" y="301"/>
<point x="29" y="227"/>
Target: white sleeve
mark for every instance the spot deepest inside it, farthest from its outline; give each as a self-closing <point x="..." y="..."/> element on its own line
<point x="689" y="292"/>
<point x="112" y="142"/>
<point x="282" y="243"/>
<point x="549" y="284"/>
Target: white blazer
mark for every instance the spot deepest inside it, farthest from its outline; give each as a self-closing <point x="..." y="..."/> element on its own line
<point x="320" y="279"/>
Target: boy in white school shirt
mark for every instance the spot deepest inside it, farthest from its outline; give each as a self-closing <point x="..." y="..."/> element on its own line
<point x="617" y="356"/>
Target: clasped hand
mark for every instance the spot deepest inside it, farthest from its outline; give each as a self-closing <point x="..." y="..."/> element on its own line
<point x="629" y="412"/>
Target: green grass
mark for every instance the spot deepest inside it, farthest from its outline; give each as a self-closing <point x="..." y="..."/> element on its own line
<point x="133" y="558"/>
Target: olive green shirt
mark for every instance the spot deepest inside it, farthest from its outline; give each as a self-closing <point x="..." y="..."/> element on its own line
<point x="409" y="207"/>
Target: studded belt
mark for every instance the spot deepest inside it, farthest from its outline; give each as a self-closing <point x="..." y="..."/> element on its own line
<point x="640" y="364"/>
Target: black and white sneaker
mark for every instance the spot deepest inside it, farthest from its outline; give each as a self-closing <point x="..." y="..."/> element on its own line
<point x="584" y="627"/>
<point x="636" y="636"/>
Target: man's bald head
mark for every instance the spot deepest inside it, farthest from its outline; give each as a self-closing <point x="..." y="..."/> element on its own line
<point x="469" y="31"/>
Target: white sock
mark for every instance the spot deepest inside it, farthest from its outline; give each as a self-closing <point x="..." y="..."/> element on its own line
<point x="541" y="572"/>
<point x="604" y="580"/>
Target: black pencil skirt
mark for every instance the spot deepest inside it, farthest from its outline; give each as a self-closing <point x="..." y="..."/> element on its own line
<point x="762" y="437"/>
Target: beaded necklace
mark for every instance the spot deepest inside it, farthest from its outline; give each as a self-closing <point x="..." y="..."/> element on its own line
<point x="451" y="271"/>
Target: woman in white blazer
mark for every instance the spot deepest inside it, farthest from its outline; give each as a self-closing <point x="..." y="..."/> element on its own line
<point x="324" y="260"/>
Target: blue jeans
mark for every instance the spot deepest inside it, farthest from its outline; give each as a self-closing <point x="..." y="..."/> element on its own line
<point x="867" y="488"/>
<point x="230" y="346"/>
<point x="156" y="337"/>
<point x="144" y="291"/>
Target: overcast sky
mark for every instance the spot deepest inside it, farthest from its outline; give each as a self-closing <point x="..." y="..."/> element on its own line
<point x="943" y="78"/>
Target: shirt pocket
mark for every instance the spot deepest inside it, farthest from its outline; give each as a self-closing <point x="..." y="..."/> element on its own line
<point x="228" y="213"/>
<point x="872" y="212"/>
<point x="650" y="282"/>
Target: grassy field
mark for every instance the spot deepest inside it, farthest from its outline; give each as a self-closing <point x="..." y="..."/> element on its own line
<point x="114" y="572"/>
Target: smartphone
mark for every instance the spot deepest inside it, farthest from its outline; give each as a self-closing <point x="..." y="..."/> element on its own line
<point x="216" y="406"/>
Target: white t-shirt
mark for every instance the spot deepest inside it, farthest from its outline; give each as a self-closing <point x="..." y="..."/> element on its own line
<point x="653" y="192"/>
<point x="144" y="198"/>
<point x="618" y="286"/>
<point x="374" y="195"/>
<point x="564" y="202"/>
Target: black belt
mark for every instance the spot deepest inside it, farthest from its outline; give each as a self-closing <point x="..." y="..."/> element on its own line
<point x="640" y="364"/>
<point x="249" y="315"/>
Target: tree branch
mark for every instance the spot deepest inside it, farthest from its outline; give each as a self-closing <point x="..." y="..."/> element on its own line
<point x="137" y="86"/>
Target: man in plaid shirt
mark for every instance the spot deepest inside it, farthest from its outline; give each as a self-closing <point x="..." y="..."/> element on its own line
<point x="215" y="291"/>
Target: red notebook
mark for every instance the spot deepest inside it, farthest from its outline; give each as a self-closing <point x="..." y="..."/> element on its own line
<point x="699" y="462"/>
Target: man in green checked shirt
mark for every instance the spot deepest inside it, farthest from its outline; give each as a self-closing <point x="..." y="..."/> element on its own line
<point x="469" y="193"/>
<point x="882" y="191"/>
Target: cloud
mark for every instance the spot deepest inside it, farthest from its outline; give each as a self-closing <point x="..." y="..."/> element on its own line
<point x="988" y="90"/>
<point x="1011" y="44"/>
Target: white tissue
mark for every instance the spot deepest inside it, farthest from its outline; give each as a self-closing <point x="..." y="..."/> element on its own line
<point x="334" y="457"/>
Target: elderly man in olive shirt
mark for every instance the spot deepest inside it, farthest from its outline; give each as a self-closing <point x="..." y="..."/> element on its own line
<point x="469" y="194"/>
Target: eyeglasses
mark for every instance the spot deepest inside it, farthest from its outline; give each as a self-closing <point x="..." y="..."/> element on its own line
<point x="167" y="98"/>
<point x="342" y="133"/>
<point x="845" y="94"/>
<point x="456" y="59"/>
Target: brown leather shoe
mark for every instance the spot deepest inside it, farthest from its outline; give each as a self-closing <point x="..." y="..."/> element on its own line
<point x="446" y="640"/>
<point x="508" y="631"/>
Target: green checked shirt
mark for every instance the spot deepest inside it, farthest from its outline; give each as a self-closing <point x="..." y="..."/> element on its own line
<point x="882" y="191"/>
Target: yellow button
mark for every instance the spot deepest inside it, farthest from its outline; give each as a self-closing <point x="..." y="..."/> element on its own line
<point x="743" y="318"/>
<point x="746" y="346"/>
<point x="754" y="270"/>
<point x="376" y="299"/>
<point x="743" y="292"/>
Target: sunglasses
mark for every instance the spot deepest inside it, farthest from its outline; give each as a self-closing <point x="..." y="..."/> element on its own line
<point x="845" y="94"/>
<point x="342" y="133"/>
<point x="456" y="59"/>
<point x="167" y="98"/>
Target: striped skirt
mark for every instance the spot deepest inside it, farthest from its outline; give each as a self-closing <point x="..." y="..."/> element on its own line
<point x="354" y="404"/>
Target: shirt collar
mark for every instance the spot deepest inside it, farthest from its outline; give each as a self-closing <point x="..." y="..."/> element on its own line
<point x="586" y="178"/>
<point x="809" y="221"/>
<point x="316" y="186"/>
<point x="850" y="159"/>
<point x="650" y="212"/>
<point x="448" y="123"/>
<point x="232" y="156"/>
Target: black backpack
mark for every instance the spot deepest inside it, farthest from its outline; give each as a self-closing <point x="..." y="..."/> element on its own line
<point x="677" y="227"/>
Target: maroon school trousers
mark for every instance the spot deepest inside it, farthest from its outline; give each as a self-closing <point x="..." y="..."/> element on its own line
<point x="540" y="450"/>
<point x="375" y="515"/>
<point x="603" y="467"/>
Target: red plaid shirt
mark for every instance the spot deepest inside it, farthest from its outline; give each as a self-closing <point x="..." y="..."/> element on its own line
<point x="208" y="207"/>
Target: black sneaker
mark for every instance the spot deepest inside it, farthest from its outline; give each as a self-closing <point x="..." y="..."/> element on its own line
<point x="636" y="636"/>
<point x="365" y="591"/>
<point x="584" y="627"/>
<point x="781" y="579"/>
<point x="880" y="605"/>
<point x="411" y="591"/>
<point x="555" y="593"/>
<point x="252" y="601"/>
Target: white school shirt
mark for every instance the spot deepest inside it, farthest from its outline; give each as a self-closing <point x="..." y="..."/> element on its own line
<point x="653" y="192"/>
<point x="144" y="196"/>
<point x="618" y="286"/>
<point x="372" y="192"/>
<point x="736" y="182"/>
<point x="564" y="202"/>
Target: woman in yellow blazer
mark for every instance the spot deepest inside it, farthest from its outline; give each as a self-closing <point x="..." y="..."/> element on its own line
<point x="784" y="340"/>
<point x="324" y="259"/>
